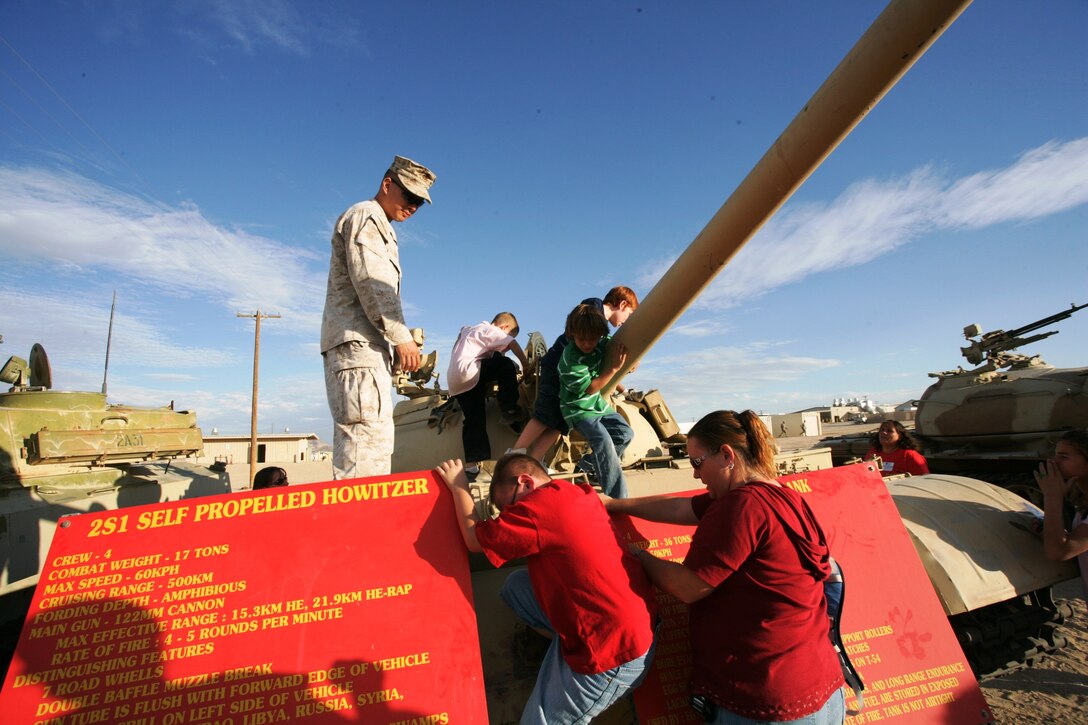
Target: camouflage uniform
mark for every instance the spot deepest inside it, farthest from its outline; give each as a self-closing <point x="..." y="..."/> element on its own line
<point x="362" y="318"/>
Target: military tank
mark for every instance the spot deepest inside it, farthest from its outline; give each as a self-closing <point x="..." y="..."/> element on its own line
<point x="996" y="421"/>
<point x="67" y="452"/>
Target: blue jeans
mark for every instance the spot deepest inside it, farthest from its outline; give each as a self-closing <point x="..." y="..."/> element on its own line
<point x="609" y="437"/>
<point x="833" y="712"/>
<point x="561" y="696"/>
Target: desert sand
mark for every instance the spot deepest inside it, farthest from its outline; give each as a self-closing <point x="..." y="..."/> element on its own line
<point x="1056" y="689"/>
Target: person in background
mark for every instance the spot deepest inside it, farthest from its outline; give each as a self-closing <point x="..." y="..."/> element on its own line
<point x="586" y="366"/>
<point x="547" y="424"/>
<point x="581" y="587"/>
<point x="479" y="359"/>
<point x="897" y="450"/>
<point x="753" y="578"/>
<point x="1057" y="477"/>
<point x="269" y="477"/>
<point x="362" y="328"/>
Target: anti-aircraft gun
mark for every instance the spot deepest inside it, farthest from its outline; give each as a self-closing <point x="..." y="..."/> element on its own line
<point x="993" y="347"/>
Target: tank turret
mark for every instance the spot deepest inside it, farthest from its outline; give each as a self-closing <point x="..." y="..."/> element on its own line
<point x="67" y="452"/>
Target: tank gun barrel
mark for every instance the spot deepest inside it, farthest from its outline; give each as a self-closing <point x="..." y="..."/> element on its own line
<point x="894" y="42"/>
<point x="998" y="341"/>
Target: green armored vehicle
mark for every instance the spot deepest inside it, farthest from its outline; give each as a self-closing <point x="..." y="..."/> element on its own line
<point x="71" y="452"/>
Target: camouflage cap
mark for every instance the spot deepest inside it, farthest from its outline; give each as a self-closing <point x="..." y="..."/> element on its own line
<point x="416" y="178"/>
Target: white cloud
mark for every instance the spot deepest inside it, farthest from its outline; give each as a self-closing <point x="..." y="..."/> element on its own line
<point x="699" y="328"/>
<point x="74" y="221"/>
<point x="252" y="25"/>
<point x="298" y="402"/>
<point x="1046" y="180"/>
<point x="734" y="377"/>
<point x="759" y="376"/>
<point x="172" y="377"/>
<point x="872" y="218"/>
<point x="73" y="331"/>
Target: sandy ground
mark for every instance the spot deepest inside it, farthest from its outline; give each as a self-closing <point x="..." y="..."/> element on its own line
<point x="1056" y="689"/>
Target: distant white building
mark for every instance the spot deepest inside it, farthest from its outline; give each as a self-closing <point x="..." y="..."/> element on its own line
<point x="271" y="448"/>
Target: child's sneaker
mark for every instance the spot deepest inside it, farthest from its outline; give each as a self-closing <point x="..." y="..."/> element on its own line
<point x="585" y="465"/>
<point x="514" y="416"/>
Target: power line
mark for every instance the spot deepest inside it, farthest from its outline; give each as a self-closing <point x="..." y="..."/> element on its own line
<point x="44" y="110"/>
<point x="73" y="111"/>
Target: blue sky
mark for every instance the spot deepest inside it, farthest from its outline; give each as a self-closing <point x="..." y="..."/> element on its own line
<point x="194" y="156"/>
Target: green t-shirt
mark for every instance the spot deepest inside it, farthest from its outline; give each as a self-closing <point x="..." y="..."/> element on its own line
<point x="576" y="372"/>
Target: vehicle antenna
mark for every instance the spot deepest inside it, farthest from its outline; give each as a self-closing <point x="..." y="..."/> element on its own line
<point x="109" y="340"/>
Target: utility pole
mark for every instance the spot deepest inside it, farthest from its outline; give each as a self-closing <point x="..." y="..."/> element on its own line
<point x="258" y="316"/>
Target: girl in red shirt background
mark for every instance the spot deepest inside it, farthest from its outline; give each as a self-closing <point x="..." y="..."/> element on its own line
<point x="899" y="452"/>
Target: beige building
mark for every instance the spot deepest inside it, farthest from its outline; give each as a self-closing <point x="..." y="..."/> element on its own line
<point x="791" y="425"/>
<point x="271" y="448"/>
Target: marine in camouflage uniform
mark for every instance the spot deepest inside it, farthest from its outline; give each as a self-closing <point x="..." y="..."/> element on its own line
<point x="363" y="329"/>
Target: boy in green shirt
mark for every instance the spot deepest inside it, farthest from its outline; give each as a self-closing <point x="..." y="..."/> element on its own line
<point x="584" y="369"/>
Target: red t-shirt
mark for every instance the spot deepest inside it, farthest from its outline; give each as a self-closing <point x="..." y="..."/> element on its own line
<point x="901" y="460"/>
<point x="595" y="593"/>
<point x="759" y="641"/>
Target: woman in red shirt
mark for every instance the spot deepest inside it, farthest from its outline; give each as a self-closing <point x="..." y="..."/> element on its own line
<point x="754" y="579"/>
<point x="897" y="450"/>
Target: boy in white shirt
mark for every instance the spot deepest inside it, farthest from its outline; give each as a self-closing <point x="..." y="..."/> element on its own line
<point x="478" y="359"/>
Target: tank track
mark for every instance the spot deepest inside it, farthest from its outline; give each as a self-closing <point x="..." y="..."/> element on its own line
<point x="1011" y="635"/>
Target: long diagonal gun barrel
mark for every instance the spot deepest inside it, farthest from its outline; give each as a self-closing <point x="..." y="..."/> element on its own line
<point x="898" y="38"/>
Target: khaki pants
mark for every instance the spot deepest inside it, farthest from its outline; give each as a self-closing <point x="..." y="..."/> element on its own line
<point x="361" y="403"/>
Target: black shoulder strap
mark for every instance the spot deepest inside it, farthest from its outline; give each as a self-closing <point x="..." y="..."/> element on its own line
<point x="835" y="596"/>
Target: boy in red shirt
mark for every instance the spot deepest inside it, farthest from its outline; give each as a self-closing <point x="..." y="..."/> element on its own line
<point x="581" y="587"/>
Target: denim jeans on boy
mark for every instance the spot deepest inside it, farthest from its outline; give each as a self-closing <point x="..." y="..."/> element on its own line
<point x="833" y="712"/>
<point x="561" y="696"/>
<point x="609" y="437"/>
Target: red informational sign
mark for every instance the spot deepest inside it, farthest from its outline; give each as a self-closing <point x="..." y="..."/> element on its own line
<point x="330" y="602"/>
<point x="893" y="625"/>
